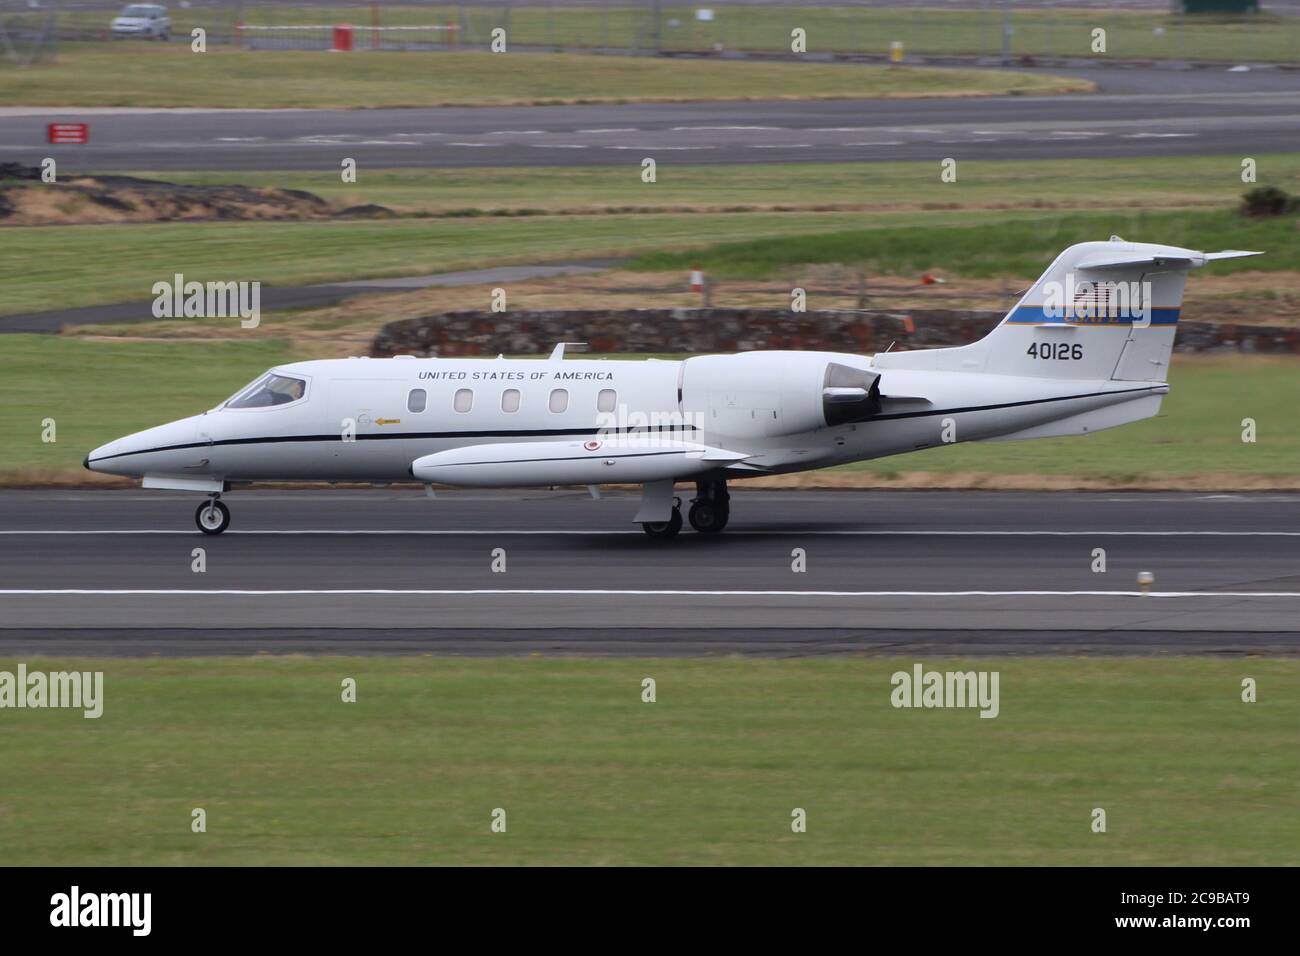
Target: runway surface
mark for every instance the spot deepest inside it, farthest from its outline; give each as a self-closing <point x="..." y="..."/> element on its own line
<point x="1171" y="113"/>
<point x="392" y="571"/>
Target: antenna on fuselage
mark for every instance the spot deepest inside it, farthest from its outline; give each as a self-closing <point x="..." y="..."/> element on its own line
<point x="557" y="353"/>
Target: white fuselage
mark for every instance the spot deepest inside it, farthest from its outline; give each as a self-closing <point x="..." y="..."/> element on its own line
<point x="373" y="419"/>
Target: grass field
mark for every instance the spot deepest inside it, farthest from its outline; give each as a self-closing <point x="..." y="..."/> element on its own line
<point x="1119" y="183"/>
<point x="121" y="263"/>
<point x="159" y="74"/>
<point x="758" y="209"/>
<point x="107" y="389"/>
<point x="708" y="774"/>
<point x="96" y="391"/>
<point x="1016" y="247"/>
<point x="66" y="266"/>
<point x="929" y="31"/>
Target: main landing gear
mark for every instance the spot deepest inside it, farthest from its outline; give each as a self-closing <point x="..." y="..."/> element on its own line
<point x="213" y="517"/>
<point x="711" y="506"/>
<point x="709" y="512"/>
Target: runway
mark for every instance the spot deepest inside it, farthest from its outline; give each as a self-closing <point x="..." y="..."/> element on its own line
<point x="1173" y="113"/>
<point x="391" y="571"/>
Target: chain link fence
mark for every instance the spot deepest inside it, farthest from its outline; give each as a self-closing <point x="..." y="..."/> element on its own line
<point x="977" y="29"/>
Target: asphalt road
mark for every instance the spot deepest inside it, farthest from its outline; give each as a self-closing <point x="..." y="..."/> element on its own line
<point x="52" y="321"/>
<point x="1142" y="112"/>
<point x="897" y="572"/>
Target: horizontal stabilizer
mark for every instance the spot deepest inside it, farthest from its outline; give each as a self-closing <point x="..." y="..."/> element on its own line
<point x="1185" y="258"/>
<point x="1229" y="254"/>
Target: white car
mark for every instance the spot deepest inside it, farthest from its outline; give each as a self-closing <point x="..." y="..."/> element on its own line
<point x="148" y="20"/>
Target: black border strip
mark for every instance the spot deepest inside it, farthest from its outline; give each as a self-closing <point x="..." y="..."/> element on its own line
<point x="517" y="433"/>
<point x="989" y="408"/>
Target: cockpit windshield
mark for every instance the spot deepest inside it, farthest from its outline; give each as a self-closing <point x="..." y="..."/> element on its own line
<point x="271" y="389"/>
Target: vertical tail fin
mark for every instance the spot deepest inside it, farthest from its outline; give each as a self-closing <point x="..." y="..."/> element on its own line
<point x="1102" y="310"/>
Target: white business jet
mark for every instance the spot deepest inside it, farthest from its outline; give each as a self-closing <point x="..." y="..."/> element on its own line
<point x="1086" y="348"/>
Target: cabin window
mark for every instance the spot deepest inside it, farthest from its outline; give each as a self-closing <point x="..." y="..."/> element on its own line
<point x="416" y="400"/>
<point x="510" y="400"/>
<point x="559" y="400"/>
<point x="463" y="400"/>
<point x="606" y="400"/>
<point x="270" y="390"/>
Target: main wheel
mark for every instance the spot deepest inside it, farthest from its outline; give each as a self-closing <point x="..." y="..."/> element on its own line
<point x="709" y="517"/>
<point x="213" y="517"/>
<point x="664" y="529"/>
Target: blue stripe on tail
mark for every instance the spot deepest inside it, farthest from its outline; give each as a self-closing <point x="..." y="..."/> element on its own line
<point x="1034" y="315"/>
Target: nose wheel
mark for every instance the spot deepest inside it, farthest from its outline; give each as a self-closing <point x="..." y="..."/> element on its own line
<point x="213" y="517"/>
<point x="664" y="529"/>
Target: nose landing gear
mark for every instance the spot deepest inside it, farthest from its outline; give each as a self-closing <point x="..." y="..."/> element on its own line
<point x="664" y="530"/>
<point x="212" y="517"/>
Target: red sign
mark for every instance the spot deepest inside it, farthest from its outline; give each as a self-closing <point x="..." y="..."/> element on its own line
<point x="67" y="133"/>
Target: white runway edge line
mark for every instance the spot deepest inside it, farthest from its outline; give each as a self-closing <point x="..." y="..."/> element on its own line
<point x="613" y="592"/>
<point x="938" y="533"/>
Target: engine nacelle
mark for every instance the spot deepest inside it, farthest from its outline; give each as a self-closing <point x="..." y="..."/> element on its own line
<point x="758" y="394"/>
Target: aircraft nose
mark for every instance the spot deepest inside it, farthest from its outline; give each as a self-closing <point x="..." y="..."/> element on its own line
<point x="150" y="449"/>
<point x="100" y="458"/>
